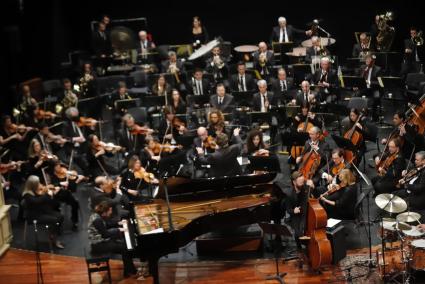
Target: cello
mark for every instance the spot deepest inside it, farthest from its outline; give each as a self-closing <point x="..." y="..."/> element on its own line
<point x="304" y="127"/>
<point x="319" y="250"/>
<point x="310" y="162"/>
<point x="355" y="137"/>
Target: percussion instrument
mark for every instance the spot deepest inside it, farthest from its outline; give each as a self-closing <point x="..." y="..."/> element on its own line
<point x="408" y="217"/>
<point x="393" y="261"/>
<point x="390" y="203"/>
<point x="418" y="254"/>
<point x="204" y="49"/>
<point x="324" y="41"/>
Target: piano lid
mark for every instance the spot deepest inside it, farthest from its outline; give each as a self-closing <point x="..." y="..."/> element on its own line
<point x="179" y="186"/>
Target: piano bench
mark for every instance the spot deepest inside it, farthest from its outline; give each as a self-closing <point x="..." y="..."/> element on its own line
<point x="98" y="264"/>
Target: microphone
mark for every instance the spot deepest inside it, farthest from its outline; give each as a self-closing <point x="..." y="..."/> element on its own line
<point x="180" y="167"/>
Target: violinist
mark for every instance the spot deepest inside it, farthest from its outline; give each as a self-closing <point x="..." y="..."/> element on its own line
<point x="129" y="138"/>
<point x="12" y="139"/>
<point x="389" y="168"/>
<point x="330" y="171"/>
<point x="67" y="182"/>
<point x="135" y="180"/>
<point x="96" y="153"/>
<point x="171" y="127"/>
<point x="46" y="137"/>
<point x="412" y="185"/>
<point x="317" y="146"/>
<point x="208" y="146"/>
<point x="215" y="122"/>
<point x="39" y="159"/>
<point x="339" y="200"/>
<point x="40" y="205"/>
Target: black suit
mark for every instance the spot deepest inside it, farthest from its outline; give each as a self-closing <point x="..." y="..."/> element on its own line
<point x="192" y="86"/>
<point x="224" y="161"/>
<point x="166" y="64"/>
<point x="256" y="101"/>
<point x="235" y="83"/>
<point x="101" y="44"/>
<point x="330" y="77"/>
<point x="267" y="69"/>
<point x="301" y="98"/>
<point x="410" y="63"/>
<point x="387" y="183"/>
<point x="290" y="31"/>
<point x="357" y="49"/>
<point x="311" y="52"/>
<point x="131" y="142"/>
<point x="281" y="89"/>
<point x="227" y="104"/>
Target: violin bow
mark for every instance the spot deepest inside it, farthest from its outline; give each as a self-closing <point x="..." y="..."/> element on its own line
<point x="71" y="158"/>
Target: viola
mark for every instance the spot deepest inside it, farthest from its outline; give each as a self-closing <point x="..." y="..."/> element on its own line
<point x="310" y="164"/>
<point x="209" y="143"/>
<point x="144" y="175"/>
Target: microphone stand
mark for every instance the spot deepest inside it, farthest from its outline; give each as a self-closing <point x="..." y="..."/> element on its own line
<point x="40" y="279"/>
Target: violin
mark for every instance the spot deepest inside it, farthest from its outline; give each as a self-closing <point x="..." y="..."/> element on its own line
<point x="144" y="175"/>
<point x="386" y="163"/>
<point x="409" y="176"/>
<point x="87" y="121"/>
<point x="13" y="165"/>
<point x="209" y="143"/>
<point x="337" y="169"/>
<point x="47" y="156"/>
<point x="310" y="163"/>
<point x="332" y="188"/>
<point x="137" y="129"/>
<point x="63" y="173"/>
<point x="44" y="189"/>
<point x="108" y="147"/>
<point x="21" y="128"/>
<point x="164" y="148"/>
<point x="42" y="114"/>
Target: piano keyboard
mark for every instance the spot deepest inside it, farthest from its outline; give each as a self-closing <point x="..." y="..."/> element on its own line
<point x="128" y="241"/>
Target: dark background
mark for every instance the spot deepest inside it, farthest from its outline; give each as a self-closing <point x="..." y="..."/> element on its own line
<point x="39" y="36"/>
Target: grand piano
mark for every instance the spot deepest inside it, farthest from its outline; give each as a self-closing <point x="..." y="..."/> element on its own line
<point x="197" y="206"/>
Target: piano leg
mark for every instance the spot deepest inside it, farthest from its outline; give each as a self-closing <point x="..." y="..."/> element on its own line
<point x="153" y="269"/>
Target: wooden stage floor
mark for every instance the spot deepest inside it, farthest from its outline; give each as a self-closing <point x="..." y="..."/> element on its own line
<point x="18" y="266"/>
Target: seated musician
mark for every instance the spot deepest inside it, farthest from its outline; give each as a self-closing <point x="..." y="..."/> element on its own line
<point x="222" y="101"/>
<point x="316" y="51"/>
<point x="130" y="138"/>
<point x="106" y="236"/>
<point x="255" y="145"/>
<point x="317" y="144"/>
<point x="68" y="98"/>
<point x="295" y="204"/>
<point x="207" y="144"/>
<point x="161" y="87"/>
<point x="135" y="180"/>
<point x="40" y="205"/>
<point x="357" y="123"/>
<point x="364" y="47"/>
<point x="330" y="171"/>
<point x="370" y="72"/>
<point x="27" y="100"/>
<point x="223" y="161"/>
<point x="171" y="127"/>
<point x="39" y="159"/>
<point x="117" y="110"/>
<point x="173" y="66"/>
<point x="216" y="64"/>
<point x="281" y="87"/>
<point x="12" y="139"/>
<point x="66" y="185"/>
<point x="215" y="122"/>
<point x="145" y="47"/>
<point x="340" y="199"/>
<point x="412" y="185"/>
<point x="263" y="100"/>
<point x="96" y="152"/>
<point x="299" y="120"/>
<point x="106" y="189"/>
<point x="389" y="168"/>
<point x="412" y="54"/>
<point x="47" y="138"/>
<point x="198" y="85"/>
<point x="151" y="154"/>
<point x="327" y="80"/>
<point x="177" y="103"/>
<point x="263" y="61"/>
<point x="242" y="82"/>
<point x="305" y="95"/>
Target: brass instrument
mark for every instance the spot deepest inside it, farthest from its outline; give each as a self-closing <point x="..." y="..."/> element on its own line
<point x="83" y="84"/>
<point x="262" y="59"/>
<point x="418" y="39"/>
<point x="70" y="100"/>
<point x="385" y="37"/>
<point x="365" y="51"/>
<point x="173" y="69"/>
<point x="218" y="62"/>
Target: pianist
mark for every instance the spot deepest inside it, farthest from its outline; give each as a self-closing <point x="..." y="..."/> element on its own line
<point x="106" y="236"/>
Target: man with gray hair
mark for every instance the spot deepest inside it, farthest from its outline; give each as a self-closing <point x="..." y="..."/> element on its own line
<point x="263" y="60"/>
<point x="327" y="80"/>
<point x="317" y="50"/>
<point x="145" y="47"/>
<point x="173" y="64"/>
<point x="285" y="33"/>
<point x="263" y="100"/>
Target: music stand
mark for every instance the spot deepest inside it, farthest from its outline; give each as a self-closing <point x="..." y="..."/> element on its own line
<point x="278" y="230"/>
<point x="200" y="100"/>
<point x="396" y="84"/>
<point x="339" y="112"/>
<point x="153" y="101"/>
<point x="125" y="104"/>
<point x="280" y="48"/>
<point x="243" y="98"/>
<point x="292" y="111"/>
<point x="261" y="163"/>
<point x="354" y="82"/>
<point x="260" y="117"/>
<point x="294" y="138"/>
<point x="300" y="72"/>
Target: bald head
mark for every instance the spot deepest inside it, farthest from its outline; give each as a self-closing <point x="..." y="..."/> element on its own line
<point x="282" y="22"/>
<point x="142" y="35"/>
<point x="262" y="46"/>
<point x="305" y="86"/>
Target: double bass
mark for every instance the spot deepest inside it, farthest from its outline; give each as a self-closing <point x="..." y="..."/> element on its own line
<point x="319" y="250"/>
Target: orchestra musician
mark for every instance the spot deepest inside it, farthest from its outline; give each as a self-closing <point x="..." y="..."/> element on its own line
<point x="105" y="236"/>
<point x="356" y="125"/>
<point x="40" y="205"/>
<point x="340" y="199"/>
<point x="364" y="47"/>
<point x="216" y="123"/>
<point x="222" y="101"/>
<point x="389" y="168"/>
<point x="96" y="152"/>
<point x="199" y="33"/>
<point x="208" y="145"/>
<point x="412" y="185"/>
<point x="330" y="171"/>
<point x="255" y="145"/>
<point x="145" y="48"/>
<point x="242" y="81"/>
<point x="263" y="61"/>
<point x="176" y="102"/>
<point x="69" y="99"/>
<point x="281" y="86"/>
<point x="130" y="138"/>
<point x="118" y="111"/>
<point x="327" y="81"/>
<point x="223" y="161"/>
<point x="198" y="85"/>
<point x="161" y="87"/>
<point x="12" y="139"/>
<point x="316" y="50"/>
<point x="305" y="116"/>
<point x="216" y="64"/>
<point x="173" y="66"/>
<point x="305" y="95"/>
<point x="101" y="43"/>
<point x="412" y="61"/>
<point x="38" y="159"/>
<point x="285" y="33"/>
<point x="26" y="100"/>
<point x="263" y="100"/>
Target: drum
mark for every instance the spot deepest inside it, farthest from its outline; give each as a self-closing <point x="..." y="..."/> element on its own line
<point x="393" y="261"/>
<point x="412" y="234"/>
<point x="387" y="231"/>
<point x="418" y="254"/>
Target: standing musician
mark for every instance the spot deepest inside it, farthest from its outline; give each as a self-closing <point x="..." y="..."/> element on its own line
<point x="314" y="154"/>
<point x="389" y="168"/>
<point x="217" y="65"/>
<point x="363" y="48"/>
<point x="242" y="81"/>
<point x="101" y="43"/>
<point x="135" y="180"/>
<point x="263" y="61"/>
<point x="339" y="199"/>
<point x="370" y="72"/>
<point x="224" y="160"/>
<point x="327" y="81"/>
<point x="263" y="100"/>
<point x="305" y="95"/>
<point x="222" y="101"/>
<point x="284" y="32"/>
<point x="412" y="56"/>
<point x="145" y="48"/>
<point x="199" y="33"/>
<point x="294" y="204"/>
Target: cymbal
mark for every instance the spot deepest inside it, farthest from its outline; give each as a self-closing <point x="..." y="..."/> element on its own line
<point x="408" y="217"/>
<point x="385" y="219"/>
<point x="246" y="48"/>
<point x="204" y="49"/>
<point x="314" y="22"/>
<point x="390" y="203"/>
<point x="324" y="41"/>
<point x="402" y="226"/>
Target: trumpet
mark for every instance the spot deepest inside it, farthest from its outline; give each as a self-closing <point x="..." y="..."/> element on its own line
<point x="262" y="59"/>
<point x="218" y="62"/>
<point x="173" y="69"/>
<point x="418" y="39"/>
